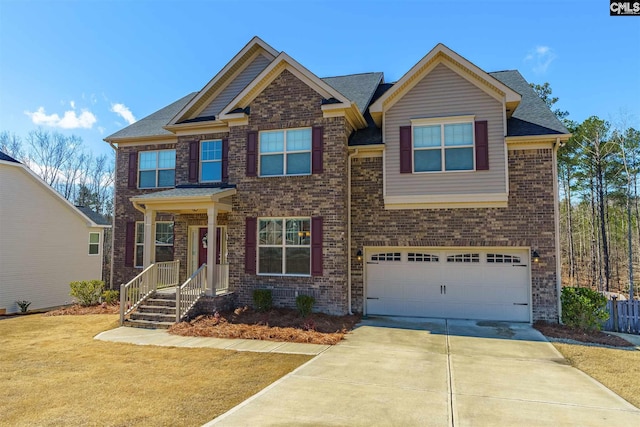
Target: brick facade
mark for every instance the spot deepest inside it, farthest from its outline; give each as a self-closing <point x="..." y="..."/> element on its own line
<point x="528" y="221"/>
<point x="287" y="103"/>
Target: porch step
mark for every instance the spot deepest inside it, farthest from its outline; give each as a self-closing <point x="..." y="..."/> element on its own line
<point x="153" y="317"/>
<point x="156" y="312"/>
<point x="147" y="324"/>
<point x="162" y="309"/>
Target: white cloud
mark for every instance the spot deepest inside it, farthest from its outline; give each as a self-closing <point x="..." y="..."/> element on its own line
<point x="540" y="58"/>
<point x="124" y="112"/>
<point x="73" y="104"/>
<point x="70" y="119"/>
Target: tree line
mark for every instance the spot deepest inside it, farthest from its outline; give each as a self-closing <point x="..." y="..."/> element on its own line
<point x="598" y="174"/>
<point x="64" y="163"/>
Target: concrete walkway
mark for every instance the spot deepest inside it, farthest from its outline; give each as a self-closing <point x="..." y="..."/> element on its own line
<point x="433" y="372"/>
<point x="161" y="337"/>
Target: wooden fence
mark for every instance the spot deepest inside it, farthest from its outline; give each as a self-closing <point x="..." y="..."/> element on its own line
<point x="624" y="316"/>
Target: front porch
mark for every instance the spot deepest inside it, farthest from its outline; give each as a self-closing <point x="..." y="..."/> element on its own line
<point x="186" y="256"/>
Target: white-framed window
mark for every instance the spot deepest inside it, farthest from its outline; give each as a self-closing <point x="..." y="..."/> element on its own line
<point x="211" y="161"/>
<point x="386" y="256"/>
<point x="285" y="152"/>
<point x="157" y="169"/>
<point x="94" y="243"/>
<point x="502" y="259"/>
<point x="284" y="246"/>
<point x="464" y="258"/>
<point x="164" y="242"/>
<point x="421" y="257"/>
<point x="443" y="144"/>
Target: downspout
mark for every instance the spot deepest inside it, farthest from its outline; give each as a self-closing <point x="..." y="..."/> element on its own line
<point x="113" y="217"/>
<point x="349" y="228"/>
<point x="556" y="216"/>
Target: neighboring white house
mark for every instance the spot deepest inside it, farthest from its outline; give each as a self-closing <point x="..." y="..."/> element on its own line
<point x="45" y="241"/>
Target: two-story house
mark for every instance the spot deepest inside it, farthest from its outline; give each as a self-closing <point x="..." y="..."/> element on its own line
<point x="432" y="196"/>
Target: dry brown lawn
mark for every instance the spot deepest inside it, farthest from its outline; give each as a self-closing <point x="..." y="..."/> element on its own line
<point x="619" y="370"/>
<point x="53" y="373"/>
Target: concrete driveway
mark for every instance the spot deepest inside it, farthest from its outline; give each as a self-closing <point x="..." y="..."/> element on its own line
<point x="435" y="372"/>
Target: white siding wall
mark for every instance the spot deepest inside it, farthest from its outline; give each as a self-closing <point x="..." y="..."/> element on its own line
<point x="444" y="93"/>
<point x="44" y="244"/>
<point x="235" y="87"/>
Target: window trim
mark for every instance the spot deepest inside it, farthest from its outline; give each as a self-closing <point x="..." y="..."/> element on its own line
<point x="285" y="152"/>
<point x="201" y="161"/>
<point x="284" y="246"/>
<point x="442" y="121"/>
<point x="94" y="244"/>
<point x="136" y="244"/>
<point x="157" y="168"/>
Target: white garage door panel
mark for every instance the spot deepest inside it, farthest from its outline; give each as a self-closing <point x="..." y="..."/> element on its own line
<point x="496" y="287"/>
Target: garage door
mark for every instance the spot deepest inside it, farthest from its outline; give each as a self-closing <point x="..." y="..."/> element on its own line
<point x="461" y="284"/>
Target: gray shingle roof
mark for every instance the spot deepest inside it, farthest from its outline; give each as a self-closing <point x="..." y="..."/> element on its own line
<point x="7" y="158"/>
<point x="358" y="88"/>
<point x="93" y="216"/>
<point x="532" y="116"/>
<point x="152" y="124"/>
<point x="183" y="192"/>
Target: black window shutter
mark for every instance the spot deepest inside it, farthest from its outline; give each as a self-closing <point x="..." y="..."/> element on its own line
<point x="250" y="232"/>
<point x="482" y="145"/>
<point x="129" y="248"/>
<point x="252" y="153"/>
<point x="133" y="170"/>
<point x="316" y="246"/>
<point x="225" y="160"/>
<point x="194" y="156"/>
<point x="317" y="145"/>
<point x="405" y="150"/>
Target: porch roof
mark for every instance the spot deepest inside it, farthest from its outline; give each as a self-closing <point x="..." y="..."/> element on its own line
<point x="184" y="199"/>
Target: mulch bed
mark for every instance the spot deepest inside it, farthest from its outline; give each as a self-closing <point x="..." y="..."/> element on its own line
<point x="76" y="309"/>
<point x="274" y="325"/>
<point x="554" y="330"/>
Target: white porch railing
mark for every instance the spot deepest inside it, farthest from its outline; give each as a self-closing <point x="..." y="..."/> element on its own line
<point x="189" y="293"/>
<point x="167" y="274"/>
<point x="222" y="278"/>
<point x="145" y="283"/>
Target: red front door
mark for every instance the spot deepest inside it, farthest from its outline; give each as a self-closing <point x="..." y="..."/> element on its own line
<point x="203" y="244"/>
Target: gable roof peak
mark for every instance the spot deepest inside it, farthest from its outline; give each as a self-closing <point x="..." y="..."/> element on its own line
<point x="256" y="46"/>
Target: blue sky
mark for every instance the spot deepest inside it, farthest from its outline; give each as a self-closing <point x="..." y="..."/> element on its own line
<point x="89" y="67"/>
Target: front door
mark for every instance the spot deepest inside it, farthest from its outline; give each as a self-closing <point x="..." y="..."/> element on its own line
<point x="204" y="243"/>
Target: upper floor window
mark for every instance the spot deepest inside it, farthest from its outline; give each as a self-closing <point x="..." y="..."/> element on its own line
<point x="446" y="146"/>
<point x="284" y="246"/>
<point x="157" y="169"/>
<point x="211" y="161"/>
<point x="285" y="152"/>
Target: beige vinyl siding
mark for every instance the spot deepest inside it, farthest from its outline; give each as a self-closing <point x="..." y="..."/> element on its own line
<point x="245" y="77"/>
<point x="44" y="243"/>
<point x="444" y="93"/>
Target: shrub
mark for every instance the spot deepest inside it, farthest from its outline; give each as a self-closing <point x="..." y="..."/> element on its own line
<point x="305" y="304"/>
<point x="87" y="292"/>
<point x="111" y="296"/>
<point x="583" y="308"/>
<point x="24" y="305"/>
<point x="262" y="299"/>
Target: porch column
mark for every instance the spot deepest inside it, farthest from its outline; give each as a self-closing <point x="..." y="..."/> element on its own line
<point x="212" y="218"/>
<point x="149" y="254"/>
